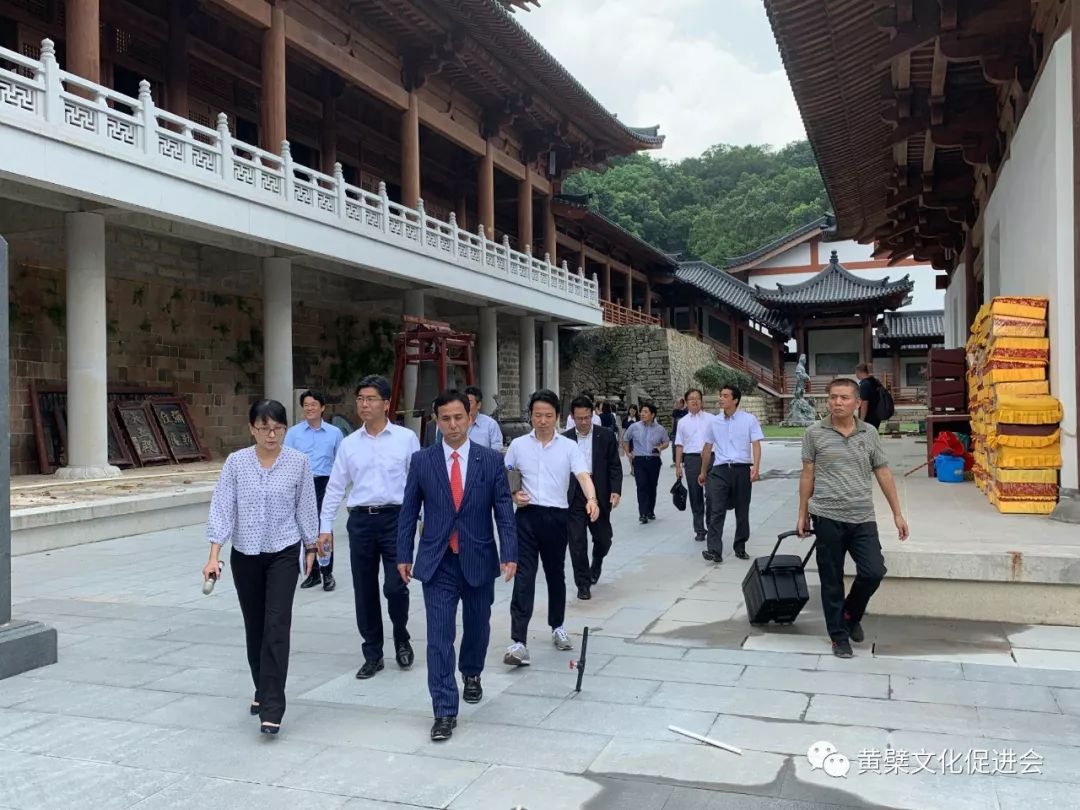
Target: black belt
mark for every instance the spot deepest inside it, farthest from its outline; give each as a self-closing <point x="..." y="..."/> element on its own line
<point x="691" y="455"/>
<point x="732" y="464"/>
<point x="375" y="510"/>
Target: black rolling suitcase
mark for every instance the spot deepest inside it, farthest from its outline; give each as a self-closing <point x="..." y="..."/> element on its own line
<point x="774" y="588"/>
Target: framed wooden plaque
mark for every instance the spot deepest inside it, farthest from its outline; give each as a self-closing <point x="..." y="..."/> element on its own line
<point x="180" y="435"/>
<point x="146" y="440"/>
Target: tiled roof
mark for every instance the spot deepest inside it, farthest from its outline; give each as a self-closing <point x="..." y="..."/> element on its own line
<point x="584" y="202"/>
<point x="729" y="290"/>
<point x="835" y="285"/>
<point x="824" y="224"/>
<point x="919" y="325"/>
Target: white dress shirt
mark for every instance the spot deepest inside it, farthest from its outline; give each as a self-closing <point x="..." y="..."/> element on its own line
<point x="693" y="431"/>
<point x="546" y="468"/>
<point x="374" y="466"/>
<point x="732" y="437"/>
<point x="486" y="432"/>
<point x="584" y="444"/>
<point x="570" y="420"/>
<point x="463" y="461"/>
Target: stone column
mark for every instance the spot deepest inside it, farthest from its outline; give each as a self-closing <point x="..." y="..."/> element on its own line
<point x="525" y="211"/>
<point x="485" y="186"/>
<point x="273" y="116"/>
<point x="177" y="68"/>
<point x="410" y="153"/>
<point x="414" y="306"/>
<point x="86" y="347"/>
<point x="551" y="247"/>
<point x="24" y="645"/>
<point x="277" y="332"/>
<point x="489" y="356"/>
<point x="83" y="38"/>
<point x="527" y="358"/>
<point x="551" y="362"/>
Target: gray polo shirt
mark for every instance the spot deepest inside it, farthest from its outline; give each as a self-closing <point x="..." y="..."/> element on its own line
<point x="645" y="438"/>
<point x="843" y="470"/>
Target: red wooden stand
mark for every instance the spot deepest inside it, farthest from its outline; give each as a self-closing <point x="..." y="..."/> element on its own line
<point x="422" y="341"/>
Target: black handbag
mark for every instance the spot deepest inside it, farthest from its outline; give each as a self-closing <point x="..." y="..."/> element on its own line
<point x="678" y="495"/>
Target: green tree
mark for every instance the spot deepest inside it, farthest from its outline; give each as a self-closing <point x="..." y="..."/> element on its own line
<point x="716" y="376"/>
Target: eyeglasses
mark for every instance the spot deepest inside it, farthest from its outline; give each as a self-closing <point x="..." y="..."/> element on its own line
<point x="268" y="430"/>
<point x="370" y="400"/>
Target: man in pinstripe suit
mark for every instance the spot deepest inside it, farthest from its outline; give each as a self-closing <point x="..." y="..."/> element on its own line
<point x="460" y="486"/>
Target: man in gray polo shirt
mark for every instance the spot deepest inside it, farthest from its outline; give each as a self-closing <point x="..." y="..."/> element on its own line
<point x="841" y="455"/>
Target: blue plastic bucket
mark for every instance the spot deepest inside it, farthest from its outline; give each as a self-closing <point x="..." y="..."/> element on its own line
<point x="950" y="469"/>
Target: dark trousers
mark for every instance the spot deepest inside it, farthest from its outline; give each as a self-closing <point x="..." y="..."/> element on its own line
<point x="265" y="585"/>
<point x="729" y="488"/>
<point x="542" y="538"/>
<point x="442" y="592"/>
<point x="320" y="490"/>
<point x="692" y="469"/>
<point x="578" y="528"/>
<point x="646" y="477"/>
<point x="373" y="538"/>
<point x="860" y="540"/>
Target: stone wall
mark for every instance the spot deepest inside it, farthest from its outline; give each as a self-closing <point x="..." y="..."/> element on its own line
<point x="765" y="407"/>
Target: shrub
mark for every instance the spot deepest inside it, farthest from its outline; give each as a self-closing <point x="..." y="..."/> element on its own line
<point x="714" y="377"/>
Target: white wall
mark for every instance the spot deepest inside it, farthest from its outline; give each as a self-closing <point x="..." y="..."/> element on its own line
<point x="956" y="326"/>
<point x="847" y="250"/>
<point x="798" y="255"/>
<point x="1028" y="227"/>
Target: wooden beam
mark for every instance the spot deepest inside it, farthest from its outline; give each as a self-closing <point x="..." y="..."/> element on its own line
<point x="253" y="12"/>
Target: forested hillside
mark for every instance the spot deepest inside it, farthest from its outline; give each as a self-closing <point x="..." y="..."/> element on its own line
<point x="726" y="202"/>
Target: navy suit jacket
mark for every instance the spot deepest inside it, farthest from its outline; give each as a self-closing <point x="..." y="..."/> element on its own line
<point x="486" y="493"/>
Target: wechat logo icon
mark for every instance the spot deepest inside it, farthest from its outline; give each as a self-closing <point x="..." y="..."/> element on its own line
<point x="824" y="756"/>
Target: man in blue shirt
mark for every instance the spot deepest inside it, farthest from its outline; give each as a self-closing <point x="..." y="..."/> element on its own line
<point x="730" y="461"/>
<point x="320" y="441"/>
<point x="484" y="430"/>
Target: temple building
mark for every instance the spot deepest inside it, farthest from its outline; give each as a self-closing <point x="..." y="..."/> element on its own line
<point x="946" y="133"/>
<point x="224" y="199"/>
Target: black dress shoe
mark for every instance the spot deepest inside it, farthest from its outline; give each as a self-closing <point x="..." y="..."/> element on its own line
<point x="328" y="582"/>
<point x="700" y="538"/>
<point x="741" y="554"/>
<point x="595" y="577"/>
<point x="404" y="655"/>
<point x="369" y="669"/>
<point x="584" y="593"/>
<point x="473" y="691"/>
<point x="443" y="728"/>
<point x="314" y="578"/>
<point x="642" y="519"/>
<point x="651" y="516"/>
<point x="712" y="556"/>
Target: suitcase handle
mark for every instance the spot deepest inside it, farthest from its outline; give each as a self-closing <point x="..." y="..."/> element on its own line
<point x="780" y="539"/>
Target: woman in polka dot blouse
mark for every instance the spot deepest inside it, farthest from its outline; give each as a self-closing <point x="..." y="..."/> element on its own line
<point x="264" y="503"/>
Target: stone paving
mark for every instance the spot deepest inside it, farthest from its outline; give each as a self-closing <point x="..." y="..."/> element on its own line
<point x="147" y="707"/>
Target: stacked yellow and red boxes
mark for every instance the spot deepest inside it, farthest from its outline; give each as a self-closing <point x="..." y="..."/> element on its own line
<point x="1016" y="438"/>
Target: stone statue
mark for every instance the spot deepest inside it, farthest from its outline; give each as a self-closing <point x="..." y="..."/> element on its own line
<point x="800" y="412"/>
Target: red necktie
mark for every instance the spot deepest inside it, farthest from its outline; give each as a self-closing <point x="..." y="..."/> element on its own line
<point x="457" y="492"/>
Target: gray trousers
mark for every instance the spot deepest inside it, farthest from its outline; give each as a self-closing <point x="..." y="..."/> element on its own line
<point x="692" y="469"/>
<point x="729" y="488"/>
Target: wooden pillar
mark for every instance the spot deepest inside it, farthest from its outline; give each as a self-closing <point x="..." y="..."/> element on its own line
<point x="176" y="90"/>
<point x="897" y="382"/>
<point x="581" y="252"/>
<point x="868" y="341"/>
<point x="461" y="211"/>
<point x="648" y="298"/>
<point x="971" y="289"/>
<point x="331" y="87"/>
<point x="525" y="210"/>
<point x="410" y="153"/>
<point x="777" y="364"/>
<point x="736" y="334"/>
<point x="630" y="289"/>
<point x="607" y="281"/>
<point x="83" y="35"/>
<point x="485" y="184"/>
<point x="550" y="243"/>
<point x="273" y="116"/>
<point x="801" y="346"/>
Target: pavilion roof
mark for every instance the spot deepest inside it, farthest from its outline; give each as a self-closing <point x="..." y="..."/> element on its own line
<point x="725" y="288"/>
<point x="823" y="225"/>
<point x="836" y="286"/>
<point x="911" y="326"/>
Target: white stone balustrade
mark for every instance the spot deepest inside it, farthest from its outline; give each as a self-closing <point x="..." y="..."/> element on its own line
<point x="84" y="113"/>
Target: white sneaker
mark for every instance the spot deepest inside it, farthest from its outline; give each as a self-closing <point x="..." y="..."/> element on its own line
<point x="561" y="639"/>
<point x="517" y="655"/>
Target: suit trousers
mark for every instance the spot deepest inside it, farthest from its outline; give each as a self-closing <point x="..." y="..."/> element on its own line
<point x="265" y="586"/>
<point x="835" y="539"/>
<point x="729" y="488"/>
<point x="373" y="538"/>
<point x="646" y="478"/>
<point x="579" y="527"/>
<point x="442" y="592"/>
<point x="320" y="490"/>
<point x="692" y="469"/>
<point x="542" y="538"/>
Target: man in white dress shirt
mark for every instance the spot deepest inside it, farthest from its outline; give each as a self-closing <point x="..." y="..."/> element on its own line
<point x="484" y="430"/>
<point x="732" y="459"/>
<point x="374" y="462"/>
<point x="690" y="436"/>
<point x="546" y="461"/>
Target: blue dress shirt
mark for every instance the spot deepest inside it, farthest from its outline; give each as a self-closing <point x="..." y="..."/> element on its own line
<point x="318" y="444"/>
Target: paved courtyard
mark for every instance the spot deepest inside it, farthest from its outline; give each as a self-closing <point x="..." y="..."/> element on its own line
<point x="147" y="707"/>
